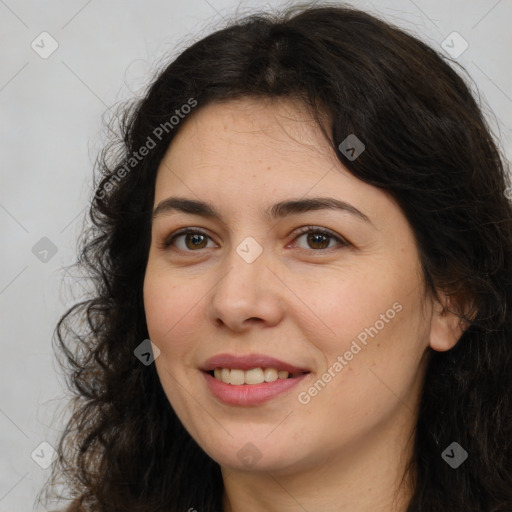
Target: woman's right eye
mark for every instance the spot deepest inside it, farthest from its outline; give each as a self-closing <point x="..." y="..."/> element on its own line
<point x="191" y="239"/>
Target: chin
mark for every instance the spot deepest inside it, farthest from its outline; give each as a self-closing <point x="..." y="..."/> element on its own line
<point x="246" y="453"/>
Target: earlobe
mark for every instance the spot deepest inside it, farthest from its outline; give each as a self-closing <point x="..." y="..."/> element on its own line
<point x="446" y="326"/>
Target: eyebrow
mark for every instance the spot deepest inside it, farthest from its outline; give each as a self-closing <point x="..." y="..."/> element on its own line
<point x="276" y="211"/>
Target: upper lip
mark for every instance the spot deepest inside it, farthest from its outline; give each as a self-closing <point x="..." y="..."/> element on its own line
<point x="248" y="362"/>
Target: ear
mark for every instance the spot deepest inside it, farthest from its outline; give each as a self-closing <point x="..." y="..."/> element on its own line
<point x="446" y="326"/>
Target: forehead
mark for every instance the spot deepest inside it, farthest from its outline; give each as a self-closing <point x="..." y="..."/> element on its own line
<point x="278" y="125"/>
<point x="245" y="155"/>
<point x="248" y="138"/>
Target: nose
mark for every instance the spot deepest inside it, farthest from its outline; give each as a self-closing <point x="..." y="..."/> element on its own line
<point x="248" y="293"/>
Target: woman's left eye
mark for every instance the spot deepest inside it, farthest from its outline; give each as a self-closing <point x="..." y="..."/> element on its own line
<point x="320" y="237"/>
<point x="317" y="238"/>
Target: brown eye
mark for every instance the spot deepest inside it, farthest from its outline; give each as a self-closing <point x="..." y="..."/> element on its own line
<point x="319" y="239"/>
<point x="196" y="240"/>
<point x="192" y="240"/>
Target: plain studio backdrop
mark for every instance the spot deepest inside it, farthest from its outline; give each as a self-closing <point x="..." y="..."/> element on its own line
<point x="64" y="64"/>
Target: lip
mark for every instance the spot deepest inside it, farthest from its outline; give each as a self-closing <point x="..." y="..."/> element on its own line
<point x="248" y="362"/>
<point x="249" y="394"/>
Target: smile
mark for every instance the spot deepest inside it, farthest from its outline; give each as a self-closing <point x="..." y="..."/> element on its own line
<point x="254" y="376"/>
<point x="250" y="394"/>
<point x="250" y="380"/>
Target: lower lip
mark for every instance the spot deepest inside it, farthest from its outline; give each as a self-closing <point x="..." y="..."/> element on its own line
<point x="249" y="394"/>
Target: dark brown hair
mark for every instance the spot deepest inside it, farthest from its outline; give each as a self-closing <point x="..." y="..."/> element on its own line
<point x="427" y="145"/>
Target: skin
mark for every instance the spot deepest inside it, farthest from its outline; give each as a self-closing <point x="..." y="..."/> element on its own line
<point x="345" y="450"/>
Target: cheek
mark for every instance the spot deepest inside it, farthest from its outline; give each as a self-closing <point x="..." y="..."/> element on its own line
<point x="372" y="317"/>
<point x="168" y="307"/>
<point x="156" y="306"/>
<point x="345" y="305"/>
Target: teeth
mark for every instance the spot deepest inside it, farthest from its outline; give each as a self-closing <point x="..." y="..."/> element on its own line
<point x="224" y="375"/>
<point x="253" y="376"/>
<point x="236" y="377"/>
<point x="270" y="374"/>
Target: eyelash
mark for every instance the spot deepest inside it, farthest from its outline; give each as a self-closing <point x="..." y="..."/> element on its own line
<point x="305" y="230"/>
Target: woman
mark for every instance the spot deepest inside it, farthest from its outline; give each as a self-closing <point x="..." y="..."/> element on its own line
<point x="302" y="258"/>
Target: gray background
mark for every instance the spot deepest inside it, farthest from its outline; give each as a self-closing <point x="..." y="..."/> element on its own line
<point x="51" y="131"/>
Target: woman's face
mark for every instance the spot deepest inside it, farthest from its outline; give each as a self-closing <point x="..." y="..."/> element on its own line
<point x="347" y="309"/>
